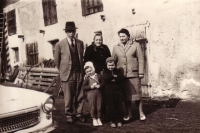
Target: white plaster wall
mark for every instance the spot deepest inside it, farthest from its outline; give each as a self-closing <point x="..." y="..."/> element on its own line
<point x="118" y="15"/>
<point x="173" y="36"/>
<point x="174" y="45"/>
<point x="28" y="21"/>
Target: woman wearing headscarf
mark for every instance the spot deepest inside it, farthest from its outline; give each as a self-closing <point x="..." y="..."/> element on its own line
<point x="130" y="60"/>
<point x="97" y="53"/>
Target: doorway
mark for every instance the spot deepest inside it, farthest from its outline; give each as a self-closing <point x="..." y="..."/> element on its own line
<point x="139" y="34"/>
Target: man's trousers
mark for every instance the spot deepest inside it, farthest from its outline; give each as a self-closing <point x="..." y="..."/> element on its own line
<point x="71" y="89"/>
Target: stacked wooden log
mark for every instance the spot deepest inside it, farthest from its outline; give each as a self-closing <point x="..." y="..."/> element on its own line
<point x="37" y="78"/>
<point x="49" y="63"/>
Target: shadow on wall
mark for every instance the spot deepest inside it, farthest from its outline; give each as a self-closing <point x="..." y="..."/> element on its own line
<point x="187" y="81"/>
<point x="184" y="84"/>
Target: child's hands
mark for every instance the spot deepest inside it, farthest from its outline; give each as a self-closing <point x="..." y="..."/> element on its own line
<point x="97" y="86"/>
<point x="92" y="86"/>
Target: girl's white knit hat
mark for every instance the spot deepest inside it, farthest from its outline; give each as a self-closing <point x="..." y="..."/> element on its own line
<point x="90" y="64"/>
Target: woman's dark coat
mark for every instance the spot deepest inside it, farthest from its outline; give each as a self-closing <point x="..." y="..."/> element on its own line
<point x="97" y="55"/>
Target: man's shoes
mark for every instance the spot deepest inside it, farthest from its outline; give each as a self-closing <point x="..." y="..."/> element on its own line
<point x="81" y="119"/>
<point x="99" y="122"/>
<point x="95" y="123"/>
<point x="70" y="120"/>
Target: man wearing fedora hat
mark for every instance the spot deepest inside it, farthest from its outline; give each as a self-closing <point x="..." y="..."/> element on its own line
<point x="69" y="61"/>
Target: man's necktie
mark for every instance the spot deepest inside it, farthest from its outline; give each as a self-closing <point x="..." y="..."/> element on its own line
<point x="72" y="42"/>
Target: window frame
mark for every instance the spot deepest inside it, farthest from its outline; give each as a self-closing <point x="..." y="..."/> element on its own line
<point x="49" y="12"/>
<point x="90" y="7"/>
<point x="11" y="22"/>
<point x="16" y="54"/>
<point x="32" y="53"/>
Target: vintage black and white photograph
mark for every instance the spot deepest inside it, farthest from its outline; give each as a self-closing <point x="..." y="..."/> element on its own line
<point x="99" y="66"/>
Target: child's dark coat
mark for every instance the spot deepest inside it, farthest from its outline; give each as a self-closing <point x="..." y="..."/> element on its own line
<point x="113" y="92"/>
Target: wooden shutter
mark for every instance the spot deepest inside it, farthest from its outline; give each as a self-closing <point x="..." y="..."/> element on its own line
<point x="16" y="54"/>
<point x="46" y="12"/>
<point x="83" y="5"/>
<point x="27" y="53"/>
<point x="100" y="7"/>
<point x="50" y="12"/>
<point x="11" y="20"/>
<point x="35" y="53"/>
<point x="9" y="17"/>
<point x="53" y="12"/>
<point x="91" y="6"/>
<point x="32" y="53"/>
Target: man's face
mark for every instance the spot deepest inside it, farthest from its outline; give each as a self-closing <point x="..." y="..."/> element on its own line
<point x="110" y="65"/>
<point x="89" y="71"/>
<point x="123" y="38"/>
<point x="71" y="33"/>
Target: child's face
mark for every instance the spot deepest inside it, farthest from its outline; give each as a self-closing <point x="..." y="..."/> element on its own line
<point x="89" y="71"/>
<point x="110" y="65"/>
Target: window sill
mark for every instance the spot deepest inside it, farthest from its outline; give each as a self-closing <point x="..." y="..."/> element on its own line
<point x="12" y="34"/>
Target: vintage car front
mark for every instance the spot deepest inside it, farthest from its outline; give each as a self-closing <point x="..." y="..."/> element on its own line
<point x="25" y="111"/>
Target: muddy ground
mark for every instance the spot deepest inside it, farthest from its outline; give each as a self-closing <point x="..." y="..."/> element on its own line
<point x="171" y="116"/>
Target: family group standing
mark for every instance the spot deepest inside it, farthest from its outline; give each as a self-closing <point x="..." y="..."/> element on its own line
<point x="109" y="82"/>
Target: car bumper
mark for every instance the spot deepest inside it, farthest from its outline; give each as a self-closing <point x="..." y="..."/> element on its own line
<point x="44" y="126"/>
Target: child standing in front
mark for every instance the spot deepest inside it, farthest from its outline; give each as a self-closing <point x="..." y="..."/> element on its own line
<point x="92" y="85"/>
<point x="113" y="90"/>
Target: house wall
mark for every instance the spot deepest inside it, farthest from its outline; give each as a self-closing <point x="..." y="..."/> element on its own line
<point x="174" y="45"/>
<point x="172" y="29"/>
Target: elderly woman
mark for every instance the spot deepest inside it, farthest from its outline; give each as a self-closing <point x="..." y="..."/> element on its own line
<point x="130" y="60"/>
<point x="97" y="53"/>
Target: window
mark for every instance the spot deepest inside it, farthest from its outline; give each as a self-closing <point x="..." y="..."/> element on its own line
<point x="49" y="11"/>
<point x="91" y="6"/>
<point x="11" y="21"/>
<point x="32" y="53"/>
<point x="16" y="54"/>
<point x="53" y="43"/>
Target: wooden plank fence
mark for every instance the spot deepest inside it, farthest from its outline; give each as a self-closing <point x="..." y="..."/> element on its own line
<point x="37" y="78"/>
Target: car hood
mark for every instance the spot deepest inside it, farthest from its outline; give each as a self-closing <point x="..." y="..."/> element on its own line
<point x="14" y="99"/>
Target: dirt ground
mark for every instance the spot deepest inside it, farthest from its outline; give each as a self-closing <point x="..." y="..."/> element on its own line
<point x="171" y="116"/>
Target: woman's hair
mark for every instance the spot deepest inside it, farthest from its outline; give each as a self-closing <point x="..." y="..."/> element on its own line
<point x="98" y="34"/>
<point x="125" y="31"/>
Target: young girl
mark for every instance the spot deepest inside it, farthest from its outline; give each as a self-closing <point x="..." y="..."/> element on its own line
<point x="113" y="90"/>
<point x="92" y="85"/>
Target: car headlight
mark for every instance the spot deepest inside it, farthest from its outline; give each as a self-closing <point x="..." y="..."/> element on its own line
<point x="48" y="106"/>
